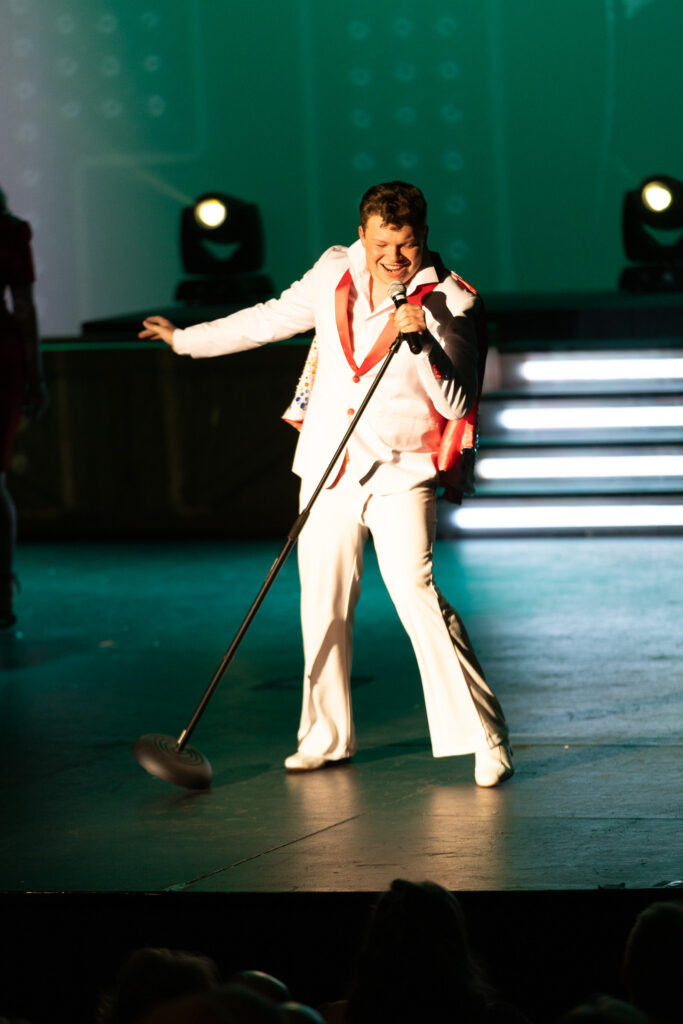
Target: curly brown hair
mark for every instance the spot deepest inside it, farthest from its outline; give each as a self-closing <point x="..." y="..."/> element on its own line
<point x="397" y="203"/>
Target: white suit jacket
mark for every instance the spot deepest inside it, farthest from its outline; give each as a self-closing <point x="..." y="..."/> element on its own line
<point x="395" y="443"/>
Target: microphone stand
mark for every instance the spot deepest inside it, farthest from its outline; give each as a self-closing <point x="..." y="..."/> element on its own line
<point x="173" y="760"/>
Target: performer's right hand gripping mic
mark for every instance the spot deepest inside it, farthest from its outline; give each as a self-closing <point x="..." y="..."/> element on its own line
<point x="397" y="293"/>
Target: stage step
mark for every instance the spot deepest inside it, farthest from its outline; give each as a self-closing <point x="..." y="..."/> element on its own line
<point x="578" y="440"/>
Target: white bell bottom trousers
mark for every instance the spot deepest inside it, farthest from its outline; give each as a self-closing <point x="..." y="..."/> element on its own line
<point x="463" y="714"/>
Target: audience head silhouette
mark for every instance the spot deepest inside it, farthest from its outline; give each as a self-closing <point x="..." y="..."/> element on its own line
<point x="416" y="963"/>
<point x="652" y="963"/>
<point x="152" y="976"/>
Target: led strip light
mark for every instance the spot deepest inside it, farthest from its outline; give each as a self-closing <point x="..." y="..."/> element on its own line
<point x="554" y="517"/>
<point x="548" y="370"/>
<point x="577" y="467"/>
<point x="591" y="417"/>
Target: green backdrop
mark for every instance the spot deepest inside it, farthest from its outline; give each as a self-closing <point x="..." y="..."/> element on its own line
<point x="523" y="122"/>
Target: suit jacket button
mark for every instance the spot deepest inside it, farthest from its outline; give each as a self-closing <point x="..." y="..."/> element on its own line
<point x="355" y="379"/>
<point x="351" y="412"/>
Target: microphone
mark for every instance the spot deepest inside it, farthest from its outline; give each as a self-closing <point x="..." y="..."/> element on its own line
<point x="397" y="293"/>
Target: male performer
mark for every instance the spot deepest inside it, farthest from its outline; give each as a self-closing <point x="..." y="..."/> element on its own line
<point x="386" y="479"/>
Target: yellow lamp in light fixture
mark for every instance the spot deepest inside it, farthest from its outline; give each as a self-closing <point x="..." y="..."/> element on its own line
<point x="657" y="196"/>
<point x="210" y="213"/>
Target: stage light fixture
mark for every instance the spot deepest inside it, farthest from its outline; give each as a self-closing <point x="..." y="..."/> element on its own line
<point x="652" y="228"/>
<point x="222" y="246"/>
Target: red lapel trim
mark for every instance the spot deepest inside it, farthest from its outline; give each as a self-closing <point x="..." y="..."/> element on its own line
<point x="341" y="312"/>
<point x="383" y="343"/>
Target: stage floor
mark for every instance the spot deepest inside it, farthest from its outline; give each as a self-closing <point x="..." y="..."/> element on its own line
<point x="581" y="639"/>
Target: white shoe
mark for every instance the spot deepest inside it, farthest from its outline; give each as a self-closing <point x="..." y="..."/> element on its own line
<point x="493" y="765"/>
<point x="310" y="762"/>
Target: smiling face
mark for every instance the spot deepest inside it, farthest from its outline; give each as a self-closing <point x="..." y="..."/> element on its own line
<point x="391" y="253"/>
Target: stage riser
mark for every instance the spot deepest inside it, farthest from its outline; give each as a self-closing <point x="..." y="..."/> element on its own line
<point x="137" y="441"/>
<point x="575" y="439"/>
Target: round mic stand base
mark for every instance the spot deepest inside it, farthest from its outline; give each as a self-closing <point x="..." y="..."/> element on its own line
<point x="160" y="756"/>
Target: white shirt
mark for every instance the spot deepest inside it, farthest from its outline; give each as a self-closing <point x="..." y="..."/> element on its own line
<point x="367" y="323"/>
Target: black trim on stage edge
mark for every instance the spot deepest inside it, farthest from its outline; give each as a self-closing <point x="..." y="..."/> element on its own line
<point x="593" y="316"/>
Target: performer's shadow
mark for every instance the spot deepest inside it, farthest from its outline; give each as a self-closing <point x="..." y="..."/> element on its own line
<point x="389" y="751"/>
<point x="167" y="797"/>
<point x="559" y="758"/>
<point x="236" y="774"/>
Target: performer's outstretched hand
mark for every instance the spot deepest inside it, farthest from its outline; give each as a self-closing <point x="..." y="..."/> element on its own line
<point x="157" y="328"/>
